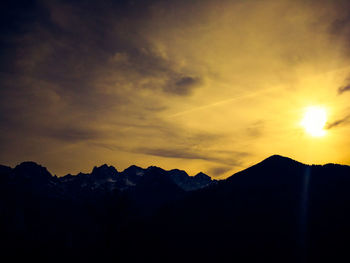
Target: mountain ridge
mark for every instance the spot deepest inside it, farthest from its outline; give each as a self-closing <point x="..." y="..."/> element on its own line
<point x="278" y="210"/>
<point x="273" y="159"/>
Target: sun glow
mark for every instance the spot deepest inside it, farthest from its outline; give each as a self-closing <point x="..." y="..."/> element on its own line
<point x="314" y="121"/>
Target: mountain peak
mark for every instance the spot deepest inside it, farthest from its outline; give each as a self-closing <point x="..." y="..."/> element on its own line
<point x="133" y="168"/>
<point x="278" y="159"/>
<point x="155" y="169"/>
<point x="202" y="175"/>
<point x="178" y="172"/>
<point x="104" y="169"/>
<point x="32" y="170"/>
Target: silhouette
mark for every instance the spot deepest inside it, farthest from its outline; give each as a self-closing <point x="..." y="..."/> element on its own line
<point x="278" y="210"/>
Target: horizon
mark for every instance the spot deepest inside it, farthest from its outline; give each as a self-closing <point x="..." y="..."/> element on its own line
<point x="171" y="169"/>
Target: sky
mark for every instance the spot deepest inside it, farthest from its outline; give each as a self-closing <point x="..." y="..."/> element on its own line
<point x="211" y="86"/>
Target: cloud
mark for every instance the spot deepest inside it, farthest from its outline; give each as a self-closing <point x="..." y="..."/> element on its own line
<point x="341" y="122"/>
<point x="219" y="170"/>
<point x="80" y="68"/>
<point x="343" y="89"/>
<point x="74" y="134"/>
<point x="171" y="153"/>
<point x="230" y="158"/>
<point x="183" y="86"/>
<point x="110" y="73"/>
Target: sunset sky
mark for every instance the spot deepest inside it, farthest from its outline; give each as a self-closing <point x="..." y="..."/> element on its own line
<point x="211" y="86"/>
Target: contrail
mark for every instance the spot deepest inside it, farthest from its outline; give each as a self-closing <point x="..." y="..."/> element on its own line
<point x="247" y="95"/>
<point x="220" y="102"/>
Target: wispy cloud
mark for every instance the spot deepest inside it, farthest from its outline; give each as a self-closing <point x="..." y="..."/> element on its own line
<point x="232" y="159"/>
<point x="218" y="171"/>
<point x="343" y="89"/>
<point x="340" y="122"/>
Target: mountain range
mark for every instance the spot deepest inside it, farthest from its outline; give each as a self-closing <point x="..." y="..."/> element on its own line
<point x="278" y="210"/>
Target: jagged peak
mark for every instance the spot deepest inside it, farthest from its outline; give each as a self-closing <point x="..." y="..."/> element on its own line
<point x="104" y="167"/>
<point x="178" y="171"/>
<point x="202" y="175"/>
<point x="133" y="167"/>
<point x="152" y="167"/>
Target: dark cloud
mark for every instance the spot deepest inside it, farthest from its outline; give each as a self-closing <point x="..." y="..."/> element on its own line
<point x="171" y="153"/>
<point x="74" y="134"/>
<point x="183" y="86"/>
<point x="186" y="81"/>
<point x="340" y="122"/>
<point x="343" y="89"/>
<point x="219" y="170"/>
<point x="340" y="28"/>
<point x="65" y="65"/>
<point x="233" y="159"/>
<point x="85" y="50"/>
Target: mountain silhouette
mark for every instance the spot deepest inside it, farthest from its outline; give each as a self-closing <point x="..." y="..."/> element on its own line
<point x="278" y="210"/>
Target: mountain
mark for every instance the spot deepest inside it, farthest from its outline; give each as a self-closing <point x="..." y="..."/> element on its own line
<point x="278" y="210"/>
<point x="189" y="183"/>
<point x="132" y="176"/>
<point x="146" y="190"/>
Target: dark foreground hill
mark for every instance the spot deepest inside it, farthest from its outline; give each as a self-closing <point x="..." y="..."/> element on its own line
<point x="278" y="210"/>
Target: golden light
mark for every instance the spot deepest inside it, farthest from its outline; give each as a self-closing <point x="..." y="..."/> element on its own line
<point x="314" y="120"/>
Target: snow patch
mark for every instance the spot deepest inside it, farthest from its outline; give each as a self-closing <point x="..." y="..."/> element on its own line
<point x="129" y="183"/>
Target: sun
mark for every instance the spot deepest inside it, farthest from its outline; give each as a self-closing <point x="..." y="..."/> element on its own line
<point x="314" y="121"/>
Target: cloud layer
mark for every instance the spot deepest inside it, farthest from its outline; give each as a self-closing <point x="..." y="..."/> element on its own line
<point x="195" y="85"/>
